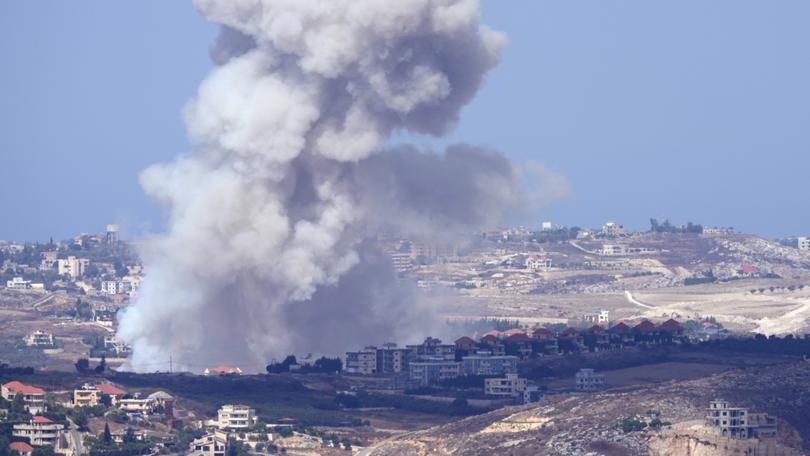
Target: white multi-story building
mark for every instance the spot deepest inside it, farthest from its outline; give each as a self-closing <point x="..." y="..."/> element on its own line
<point x="588" y="380"/>
<point x="738" y="422"/>
<point x="511" y="385"/>
<point x="39" y="339"/>
<point x="599" y="317"/>
<point x="111" y="287"/>
<point x="804" y="243"/>
<point x="40" y="431"/>
<point x="234" y="417"/>
<point x="72" y="266"/>
<point x="538" y="263"/>
<point x="612" y="229"/>
<point x="432" y="370"/>
<point x="487" y="364"/>
<point x="17" y="283"/>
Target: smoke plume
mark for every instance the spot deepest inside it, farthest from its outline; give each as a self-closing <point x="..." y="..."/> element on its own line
<point x="270" y="218"/>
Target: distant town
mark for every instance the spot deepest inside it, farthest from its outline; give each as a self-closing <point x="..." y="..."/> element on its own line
<point x="551" y="313"/>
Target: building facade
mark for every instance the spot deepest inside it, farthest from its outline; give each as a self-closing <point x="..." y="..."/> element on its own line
<point x="588" y="380"/>
<point x="213" y="444"/>
<point x="33" y="397"/>
<point x="72" y="266"/>
<point x="484" y="364"/>
<point x="40" y="431"/>
<point x="427" y="371"/>
<point x="511" y="385"/>
<point x="363" y="362"/>
<point x="738" y="422"/>
<point x="236" y="417"/>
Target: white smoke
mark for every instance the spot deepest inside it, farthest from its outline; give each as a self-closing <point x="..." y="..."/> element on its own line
<point x="267" y="246"/>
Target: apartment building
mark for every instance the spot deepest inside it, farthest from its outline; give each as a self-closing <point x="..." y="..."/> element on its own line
<point x="434" y="348"/>
<point x="72" y="266"/>
<point x="39" y="339"/>
<point x="33" y="397"/>
<point x="804" y="243"/>
<point x="235" y="417"/>
<point x="39" y="431"/>
<point x="362" y="362"/>
<point x="738" y="422"/>
<point x="432" y="370"/>
<point x="484" y="363"/>
<point x="511" y="385"/>
<point x="392" y="360"/>
<point x="588" y="380"/>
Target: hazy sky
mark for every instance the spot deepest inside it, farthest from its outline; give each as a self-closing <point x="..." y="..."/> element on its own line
<point x="691" y="110"/>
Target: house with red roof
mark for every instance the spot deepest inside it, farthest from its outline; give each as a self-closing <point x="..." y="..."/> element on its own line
<point x="671" y="326"/>
<point x="621" y="335"/>
<point x="21" y="448"/>
<point x="748" y="270"/>
<point x="222" y="370"/>
<point x="540" y="333"/>
<point x="464" y="343"/>
<point x="645" y="327"/>
<point x="518" y="344"/>
<point x="33" y="397"/>
<point x="596" y="338"/>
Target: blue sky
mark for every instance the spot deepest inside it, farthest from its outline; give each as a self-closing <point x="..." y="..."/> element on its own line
<point x="690" y="110"/>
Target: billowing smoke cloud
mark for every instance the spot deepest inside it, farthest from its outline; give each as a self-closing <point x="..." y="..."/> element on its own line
<point x="269" y="218"/>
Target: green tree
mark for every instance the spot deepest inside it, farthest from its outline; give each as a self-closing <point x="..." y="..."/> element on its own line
<point x="102" y="366"/>
<point x="107" y="435"/>
<point x="82" y="365"/>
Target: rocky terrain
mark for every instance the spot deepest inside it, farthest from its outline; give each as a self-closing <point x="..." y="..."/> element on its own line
<point x="590" y="424"/>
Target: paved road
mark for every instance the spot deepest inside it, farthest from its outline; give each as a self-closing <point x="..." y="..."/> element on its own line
<point x="75" y="438"/>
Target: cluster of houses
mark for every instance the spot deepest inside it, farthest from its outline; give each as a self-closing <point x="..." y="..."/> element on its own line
<point x="75" y="270"/>
<point x="497" y="352"/>
<point x="42" y="431"/>
<point x="236" y="422"/>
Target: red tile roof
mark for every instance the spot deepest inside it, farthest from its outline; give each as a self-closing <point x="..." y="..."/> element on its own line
<point x="21" y="388"/>
<point x="670" y="326"/>
<point x="489" y="338"/>
<point x="645" y="326"/>
<point x="41" y="420"/>
<point x="519" y="337"/>
<point x="110" y="390"/>
<point x="620" y="327"/>
<point x="596" y="328"/>
<point x="21" y="447"/>
<point x="512" y="332"/>
<point x="749" y="269"/>
<point x="464" y="340"/>
<point x="570" y="332"/>
<point x="225" y="370"/>
<point x="540" y="330"/>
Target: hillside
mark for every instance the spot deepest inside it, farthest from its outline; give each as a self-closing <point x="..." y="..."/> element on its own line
<point x="589" y="424"/>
